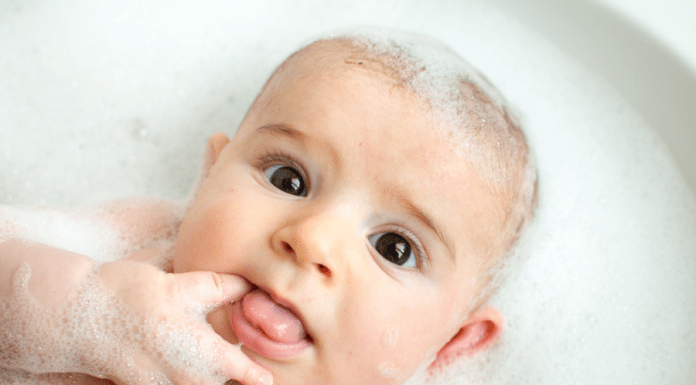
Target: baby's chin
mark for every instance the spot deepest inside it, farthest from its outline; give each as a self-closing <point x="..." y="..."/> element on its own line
<point x="219" y="321"/>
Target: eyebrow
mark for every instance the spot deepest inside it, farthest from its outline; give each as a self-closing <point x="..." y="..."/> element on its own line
<point x="288" y="131"/>
<point x="428" y="221"/>
<point x="282" y="129"/>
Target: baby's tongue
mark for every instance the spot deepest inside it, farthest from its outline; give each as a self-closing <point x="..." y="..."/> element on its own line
<point x="278" y="323"/>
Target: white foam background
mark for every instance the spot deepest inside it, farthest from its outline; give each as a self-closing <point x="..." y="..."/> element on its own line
<point x="111" y="99"/>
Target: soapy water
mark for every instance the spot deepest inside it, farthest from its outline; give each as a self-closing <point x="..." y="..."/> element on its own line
<point x="106" y="102"/>
<point x="86" y="334"/>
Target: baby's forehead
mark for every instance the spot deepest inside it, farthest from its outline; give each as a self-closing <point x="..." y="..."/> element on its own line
<point x="457" y="101"/>
<point x="335" y="58"/>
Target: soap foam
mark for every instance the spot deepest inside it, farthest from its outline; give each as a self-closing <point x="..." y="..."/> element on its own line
<point x="461" y="103"/>
<point x="95" y="334"/>
<point x="603" y="289"/>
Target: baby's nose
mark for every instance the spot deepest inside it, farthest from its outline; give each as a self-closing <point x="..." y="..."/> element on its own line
<point x="320" y="267"/>
<point x="313" y="243"/>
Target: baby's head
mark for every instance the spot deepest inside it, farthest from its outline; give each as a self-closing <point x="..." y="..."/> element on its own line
<point x="367" y="195"/>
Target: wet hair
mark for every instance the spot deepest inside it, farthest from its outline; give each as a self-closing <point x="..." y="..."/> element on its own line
<point x="460" y="102"/>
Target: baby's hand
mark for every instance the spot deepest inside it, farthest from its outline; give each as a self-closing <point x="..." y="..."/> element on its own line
<point x="126" y="321"/>
<point x="164" y="335"/>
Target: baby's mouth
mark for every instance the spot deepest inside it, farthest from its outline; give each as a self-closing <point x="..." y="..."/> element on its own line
<point x="268" y="328"/>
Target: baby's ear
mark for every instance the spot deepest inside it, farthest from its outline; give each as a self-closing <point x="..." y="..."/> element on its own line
<point x="216" y="143"/>
<point x="481" y="329"/>
<point x="212" y="151"/>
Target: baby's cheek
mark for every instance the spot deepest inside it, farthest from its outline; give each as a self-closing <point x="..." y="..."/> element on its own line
<point x="412" y="340"/>
<point x="391" y="368"/>
<point x="204" y="240"/>
<point x="189" y="246"/>
<point x="401" y="353"/>
<point x="390" y="337"/>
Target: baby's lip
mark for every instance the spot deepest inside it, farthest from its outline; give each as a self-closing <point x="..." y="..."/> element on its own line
<point x="269" y="325"/>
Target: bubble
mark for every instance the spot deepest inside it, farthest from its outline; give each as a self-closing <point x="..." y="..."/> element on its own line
<point x="390" y="337"/>
<point x="388" y="371"/>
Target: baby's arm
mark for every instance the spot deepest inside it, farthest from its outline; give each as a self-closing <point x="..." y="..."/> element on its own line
<point x="125" y="320"/>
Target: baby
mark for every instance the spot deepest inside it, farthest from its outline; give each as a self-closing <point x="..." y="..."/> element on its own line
<point x="357" y="219"/>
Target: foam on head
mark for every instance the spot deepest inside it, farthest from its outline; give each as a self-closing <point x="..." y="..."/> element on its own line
<point x="460" y="103"/>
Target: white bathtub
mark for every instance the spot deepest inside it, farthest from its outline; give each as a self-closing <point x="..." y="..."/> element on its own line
<point x="645" y="49"/>
<point x="108" y="99"/>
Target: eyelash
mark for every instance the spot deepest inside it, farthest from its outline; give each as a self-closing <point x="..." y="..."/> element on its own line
<point x="419" y="250"/>
<point x="275" y="158"/>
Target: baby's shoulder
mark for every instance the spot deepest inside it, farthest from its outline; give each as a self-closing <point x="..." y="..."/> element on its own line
<point x="104" y="231"/>
<point x="139" y="216"/>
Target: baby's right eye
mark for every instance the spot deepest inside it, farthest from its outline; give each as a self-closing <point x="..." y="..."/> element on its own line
<point x="287" y="180"/>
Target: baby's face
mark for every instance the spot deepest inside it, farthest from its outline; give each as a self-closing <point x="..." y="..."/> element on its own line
<point x="356" y="222"/>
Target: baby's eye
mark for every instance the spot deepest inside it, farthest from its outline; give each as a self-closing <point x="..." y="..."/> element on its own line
<point x="287" y="180"/>
<point x="394" y="248"/>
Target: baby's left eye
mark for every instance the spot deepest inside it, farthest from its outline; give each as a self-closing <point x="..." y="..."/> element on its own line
<point x="394" y="248"/>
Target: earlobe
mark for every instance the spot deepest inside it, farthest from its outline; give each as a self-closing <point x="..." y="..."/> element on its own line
<point x="480" y="331"/>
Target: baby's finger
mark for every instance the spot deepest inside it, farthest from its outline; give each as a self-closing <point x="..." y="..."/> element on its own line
<point x="237" y="366"/>
<point x="211" y="288"/>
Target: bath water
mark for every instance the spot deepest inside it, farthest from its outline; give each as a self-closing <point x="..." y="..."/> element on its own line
<point x="104" y="100"/>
